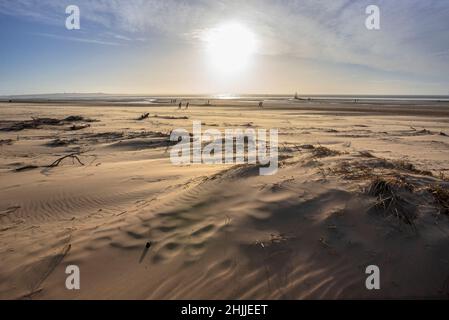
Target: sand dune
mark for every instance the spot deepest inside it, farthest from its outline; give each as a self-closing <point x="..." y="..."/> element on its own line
<point x="141" y="228"/>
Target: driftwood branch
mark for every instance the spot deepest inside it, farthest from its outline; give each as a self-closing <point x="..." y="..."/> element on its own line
<point x="74" y="157"/>
<point x="143" y="116"/>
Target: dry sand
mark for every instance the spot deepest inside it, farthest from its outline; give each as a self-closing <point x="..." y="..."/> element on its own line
<point x="371" y="191"/>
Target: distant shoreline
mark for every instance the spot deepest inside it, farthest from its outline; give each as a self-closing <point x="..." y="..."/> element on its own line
<point x="166" y="99"/>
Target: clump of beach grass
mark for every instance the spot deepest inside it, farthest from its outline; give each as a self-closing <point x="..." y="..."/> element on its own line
<point x="389" y="199"/>
<point x="322" y="152"/>
<point x="441" y="196"/>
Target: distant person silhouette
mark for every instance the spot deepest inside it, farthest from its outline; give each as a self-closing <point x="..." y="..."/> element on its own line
<point x="261" y="104"/>
<point x="180" y="106"/>
<point x="187" y="105"/>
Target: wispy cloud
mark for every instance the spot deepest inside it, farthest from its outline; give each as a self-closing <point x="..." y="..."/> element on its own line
<point x="77" y="39"/>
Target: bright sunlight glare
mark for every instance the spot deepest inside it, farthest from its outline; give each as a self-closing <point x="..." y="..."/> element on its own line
<point x="230" y="47"/>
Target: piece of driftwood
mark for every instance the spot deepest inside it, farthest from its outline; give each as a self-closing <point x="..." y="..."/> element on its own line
<point x="74" y="118"/>
<point x="46" y="121"/>
<point x="74" y="157"/>
<point x="143" y="116"/>
<point x="36" y="123"/>
<point x="60" y="142"/>
<point x="79" y="127"/>
<point x="26" y="168"/>
<point x="171" y="117"/>
<point x="145" y="251"/>
<point x="27" y="124"/>
<point x="6" y="142"/>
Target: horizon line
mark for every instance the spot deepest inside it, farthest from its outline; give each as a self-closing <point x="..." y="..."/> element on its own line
<point x="216" y="94"/>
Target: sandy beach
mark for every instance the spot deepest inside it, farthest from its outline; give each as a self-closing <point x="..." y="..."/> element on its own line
<point x="358" y="184"/>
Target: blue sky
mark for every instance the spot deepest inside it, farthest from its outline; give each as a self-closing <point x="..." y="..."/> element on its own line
<point x="156" y="47"/>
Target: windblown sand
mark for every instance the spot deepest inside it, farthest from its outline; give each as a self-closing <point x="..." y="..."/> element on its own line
<point x="224" y="232"/>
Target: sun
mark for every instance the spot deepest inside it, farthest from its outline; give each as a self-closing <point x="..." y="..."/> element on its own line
<point x="230" y="47"/>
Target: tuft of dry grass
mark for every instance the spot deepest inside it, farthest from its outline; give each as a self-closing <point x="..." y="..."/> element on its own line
<point x="352" y="171"/>
<point x="407" y="166"/>
<point x="442" y="176"/>
<point x="441" y="196"/>
<point x="322" y="152"/>
<point x="389" y="200"/>
<point x="372" y="167"/>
